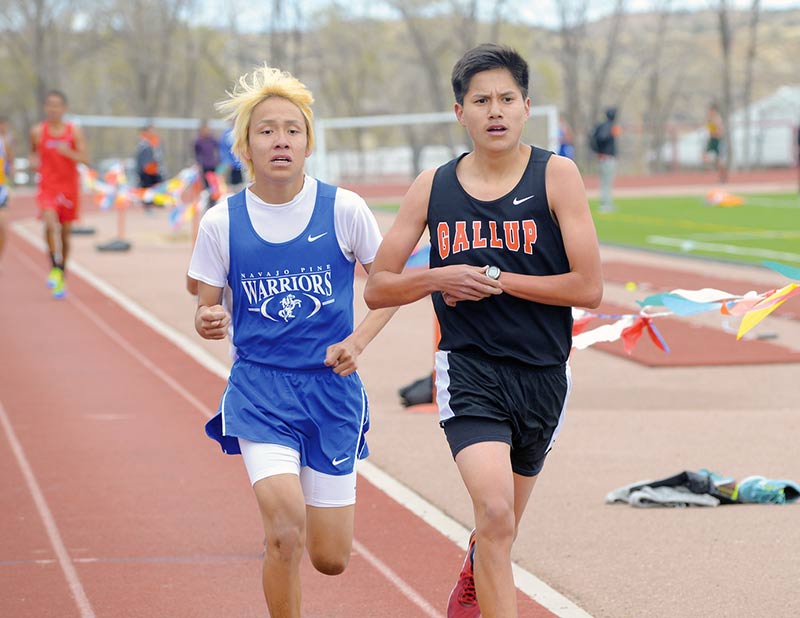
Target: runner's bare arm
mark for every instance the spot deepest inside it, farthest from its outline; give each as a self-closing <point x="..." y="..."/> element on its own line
<point x="80" y="153"/>
<point x="11" y="155"/>
<point x="33" y="157"/>
<point x="582" y="286"/>
<point x="387" y="284"/>
<point x="210" y="320"/>
<point x="343" y="356"/>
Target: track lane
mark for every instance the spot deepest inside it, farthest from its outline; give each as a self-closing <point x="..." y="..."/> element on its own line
<point x="154" y="490"/>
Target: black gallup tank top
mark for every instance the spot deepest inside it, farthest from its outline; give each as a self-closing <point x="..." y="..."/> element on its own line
<point x="517" y="233"/>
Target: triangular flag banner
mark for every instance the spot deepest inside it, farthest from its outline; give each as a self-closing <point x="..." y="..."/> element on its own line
<point x="579" y="324"/>
<point x="632" y="334"/>
<point x="765" y="307"/>
<point x="682" y="306"/>
<point x="744" y="304"/>
<point x="787" y="271"/>
<point x="606" y="332"/>
<point x="655" y="335"/>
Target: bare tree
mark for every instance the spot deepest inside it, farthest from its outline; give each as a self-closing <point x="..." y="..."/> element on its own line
<point x="747" y="89"/>
<point x="655" y="114"/>
<point x="39" y="39"/>
<point x="726" y="47"/>
<point x="427" y="47"/>
<point x="600" y="73"/>
<point x="497" y="20"/>
<point x="285" y="35"/>
<point x="148" y="30"/>
<point x="348" y="44"/>
<point x="572" y="33"/>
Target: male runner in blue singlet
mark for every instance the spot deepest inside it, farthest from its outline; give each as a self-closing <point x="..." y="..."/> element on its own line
<point x="286" y="247"/>
<point x="513" y="248"/>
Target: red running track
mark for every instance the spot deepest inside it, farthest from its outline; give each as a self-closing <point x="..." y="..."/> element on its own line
<point x="114" y="503"/>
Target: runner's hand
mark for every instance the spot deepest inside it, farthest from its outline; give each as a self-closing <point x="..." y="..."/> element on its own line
<point x="463" y="282"/>
<point x="212" y="322"/>
<point x="342" y="357"/>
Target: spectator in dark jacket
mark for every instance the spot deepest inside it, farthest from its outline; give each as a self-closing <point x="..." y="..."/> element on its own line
<point x="604" y="143"/>
<point x="149" y="158"/>
<point x="206" y="151"/>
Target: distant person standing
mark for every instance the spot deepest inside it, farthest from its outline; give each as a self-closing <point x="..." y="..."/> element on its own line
<point x="716" y="146"/>
<point x="56" y="149"/>
<point x="6" y="174"/>
<point x="149" y="158"/>
<point x="566" y="139"/>
<point x="228" y="160"/>
<point x="149" y="161"/>
<point x="603" y="141"/>
<point x="206" y="151"/>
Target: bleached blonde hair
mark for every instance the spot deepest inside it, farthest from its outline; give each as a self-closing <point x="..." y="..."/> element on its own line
<point x="253" y="88"/>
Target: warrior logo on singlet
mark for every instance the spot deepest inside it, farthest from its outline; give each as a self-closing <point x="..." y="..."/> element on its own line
<point x="283" y="295"/>
<point x="289" y="303"/>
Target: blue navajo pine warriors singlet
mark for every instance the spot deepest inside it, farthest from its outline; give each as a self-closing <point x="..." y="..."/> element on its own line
<point x="516" y="233"/>
<point x="291" y="300"/>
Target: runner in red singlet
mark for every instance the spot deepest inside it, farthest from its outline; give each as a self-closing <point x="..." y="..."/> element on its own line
<point x="56" y="149"/>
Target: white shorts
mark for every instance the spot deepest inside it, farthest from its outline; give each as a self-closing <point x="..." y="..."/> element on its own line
<point x="320" y="489"/>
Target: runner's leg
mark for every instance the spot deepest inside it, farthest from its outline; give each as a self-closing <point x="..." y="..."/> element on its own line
<point x="330" y="537"/>
<point x="66" y="230"/>
<point x="282" y="506"/>
<point x="485" y="468"/>
<point x="50" y="220"/>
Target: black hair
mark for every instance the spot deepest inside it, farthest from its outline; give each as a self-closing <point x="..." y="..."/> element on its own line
<point x="56" y="93"/>
<point x="486" y="57"/>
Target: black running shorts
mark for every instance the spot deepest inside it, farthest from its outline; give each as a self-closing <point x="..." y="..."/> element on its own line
<point x="484" y="399"/>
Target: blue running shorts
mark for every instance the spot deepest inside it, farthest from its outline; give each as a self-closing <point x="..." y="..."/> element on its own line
<point x="321" y="415"/>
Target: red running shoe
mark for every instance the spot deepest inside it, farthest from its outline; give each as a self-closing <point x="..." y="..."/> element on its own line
<point x="463" y="602"/>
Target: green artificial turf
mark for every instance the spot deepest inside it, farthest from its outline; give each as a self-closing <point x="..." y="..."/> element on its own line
<point x="764" y="227"/>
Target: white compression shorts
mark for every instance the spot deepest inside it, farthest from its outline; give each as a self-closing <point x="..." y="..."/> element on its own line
<point x="320" y="489"/>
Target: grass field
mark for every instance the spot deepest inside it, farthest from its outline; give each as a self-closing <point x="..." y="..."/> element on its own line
<point x="764" y="227"/>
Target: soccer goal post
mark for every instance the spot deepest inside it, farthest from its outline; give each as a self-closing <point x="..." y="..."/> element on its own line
<point x="363" y="148"/>
<point x="378" y="159"/>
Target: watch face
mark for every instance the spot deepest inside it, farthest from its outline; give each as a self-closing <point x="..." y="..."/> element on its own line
<point x="493" y="272"/>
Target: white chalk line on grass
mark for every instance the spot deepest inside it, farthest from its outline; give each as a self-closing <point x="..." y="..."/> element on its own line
<point x="689" y="245"/>
<point x="528" y="583"/>
<point x="770" y="202"/>
<point x="754" y="235"/>
<point x="64" y="561"/>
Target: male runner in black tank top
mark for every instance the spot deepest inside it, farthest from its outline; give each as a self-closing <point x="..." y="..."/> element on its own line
<point x="513" y="248"/>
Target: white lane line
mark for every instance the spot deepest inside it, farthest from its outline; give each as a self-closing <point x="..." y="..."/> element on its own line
<point x="71" y="575"/>
<point x="754" y="235"/>
<point x="136" y="310"/>
<point x="528" y="583"/>
<point x="126" y="345"/>
<point x="396" y="580"/>
<point x="688" y="245"/>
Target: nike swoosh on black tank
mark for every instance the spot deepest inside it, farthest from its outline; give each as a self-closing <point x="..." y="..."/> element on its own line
<point x="519" y="237"/>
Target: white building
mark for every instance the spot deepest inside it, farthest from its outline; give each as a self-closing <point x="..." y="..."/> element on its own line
<point x="773" y="124"/>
